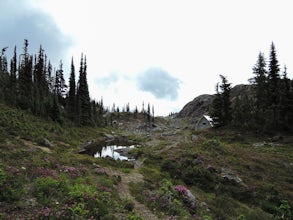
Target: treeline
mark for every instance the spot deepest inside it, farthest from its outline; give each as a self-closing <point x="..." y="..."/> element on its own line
<point x="29" y="82"/>
<point x="268" y="109"/>
<point x="148" y="114"/>
<point x="32" y="84"/>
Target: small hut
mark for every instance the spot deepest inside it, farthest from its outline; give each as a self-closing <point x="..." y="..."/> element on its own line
<point x="204" y="122"/>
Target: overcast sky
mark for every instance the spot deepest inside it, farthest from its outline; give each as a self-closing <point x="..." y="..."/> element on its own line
<point x="164" y="52"/>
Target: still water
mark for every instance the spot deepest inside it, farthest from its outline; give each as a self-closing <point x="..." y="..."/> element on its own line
<point x="113" y="151"/>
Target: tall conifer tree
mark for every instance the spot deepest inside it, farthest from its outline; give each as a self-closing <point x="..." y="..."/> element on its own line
<point x="25" y="79"/>
<point x="260" y="80"/>
<point x="83" y="98"/>
<point x="273" y="76"/>
<point x="13" y="78"/>
<point x="71" y="106"/>
<point x="273" y="89"/>
<point x="60" y="86"/>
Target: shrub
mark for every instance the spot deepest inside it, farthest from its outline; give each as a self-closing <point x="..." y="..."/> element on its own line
<point x="128" y="205"/>
<point x="284" y="211"/>
<point x="11" y="185"/>
<point x="49" y="190"/>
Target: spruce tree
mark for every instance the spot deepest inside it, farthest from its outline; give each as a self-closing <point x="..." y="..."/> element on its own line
<point x="50" y="78"/>
<point x="55" y="112"/>
<point x="221" y="106"/>
<point x="40" y="84"/>
<point x="13" y="79"/>
<point x="226" y="102"/>
<point x="243" y="112"/>
<point x="60" y="86"/>
<point x="273" y="76"/>
<point x="83" y="98"/>
<point x="260" y="80"/>
<point x="285" y="105"/>
<point x="149" y="113"/>
<point x="4" y="76"/>
<point x="25" y="79"/>
<point x="273" y="89"/>
<point x="71" y="106"/>
<point x="215" y="110"/>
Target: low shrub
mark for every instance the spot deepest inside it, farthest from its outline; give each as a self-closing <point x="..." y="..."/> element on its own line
<point x="48" y="190"/>
<point x="11" y="184"/>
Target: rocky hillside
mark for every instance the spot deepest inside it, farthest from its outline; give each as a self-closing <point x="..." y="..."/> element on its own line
<point x="200" y="105"/>
<point x="173" y="173"/>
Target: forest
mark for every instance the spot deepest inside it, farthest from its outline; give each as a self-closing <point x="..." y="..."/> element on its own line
<point x="269" y="108"/>
<point x="31" y="83"/>
<point x="238" y="170"/>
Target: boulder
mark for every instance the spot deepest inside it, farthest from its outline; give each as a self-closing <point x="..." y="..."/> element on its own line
<point x="230" y="176"/>
<point x="47" y="143"/>
<point x="197" y="107"/>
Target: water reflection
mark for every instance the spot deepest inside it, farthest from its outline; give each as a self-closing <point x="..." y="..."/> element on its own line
<point x="113" y="151"/>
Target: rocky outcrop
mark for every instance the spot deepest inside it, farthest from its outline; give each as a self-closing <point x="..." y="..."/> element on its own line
<point x="240" y="90"/>
<point x="197" y="107"/>
<point x="200" y="105"/>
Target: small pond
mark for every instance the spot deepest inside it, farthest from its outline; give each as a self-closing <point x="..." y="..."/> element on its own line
<point x="115" y="151"/>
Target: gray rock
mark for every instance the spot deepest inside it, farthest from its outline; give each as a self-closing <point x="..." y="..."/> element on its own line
<point x="230" y="176"/>
<point x="200" y="105"/>
<point x="196" y="107"/>
<point x="47" y="143"/>
<point x="87" y="145"/>
<point x="194" y="137"/>
<point x="109" y="136"/>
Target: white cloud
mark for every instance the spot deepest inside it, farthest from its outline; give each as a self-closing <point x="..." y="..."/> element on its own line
<point x="159" y="83"/>
<point x="23" y="21"/>
<point x="191" y="40"/>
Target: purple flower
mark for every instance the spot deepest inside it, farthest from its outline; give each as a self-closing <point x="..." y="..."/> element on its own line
<point x="45" y="172"/>
<point x="181" y="189"/>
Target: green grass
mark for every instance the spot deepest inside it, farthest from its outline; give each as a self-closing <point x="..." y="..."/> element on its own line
<point x="54" y="182"/>
<point x="265" y="172"/>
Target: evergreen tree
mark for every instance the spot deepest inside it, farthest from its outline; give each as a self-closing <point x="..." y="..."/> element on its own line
<point x="13" y="79"/>
<point x="3" y="61"/>
<point x="55" y="112"/>
<point x="127" y="108"/>
<point x="273" y="89"/>
<point x="215" y="110"/>
<point x="260" y="80"/>
<point x="83" y="98"/>
<point x="40" y="84"/>
<point x="60" y="86"/>
<point x="149" y="113"/>
<point x="273" y="76"/>
<point x="113" y="108"/>
<point x="4" y="76"/>
<point x="50" y="79"/>
<point x="135" y="112"/>
<point x="243" y="113"/>
<point x="226" y="102"/>
<point x="221" y="106"/>
<point x="25" y="79"/>
<point x="71" y="106"/>
<point x="285" y="105"/>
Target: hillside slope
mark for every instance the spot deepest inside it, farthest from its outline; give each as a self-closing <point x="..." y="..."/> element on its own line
<point x="177" y="173"/>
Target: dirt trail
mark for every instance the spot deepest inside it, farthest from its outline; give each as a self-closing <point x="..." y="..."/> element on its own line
<point x="124" y="192"/>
